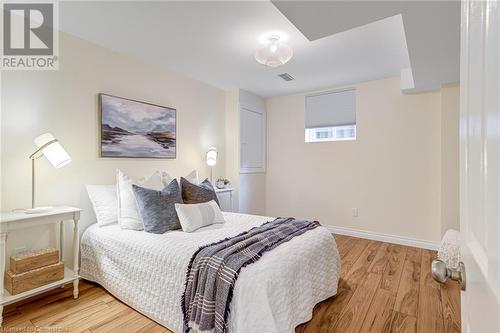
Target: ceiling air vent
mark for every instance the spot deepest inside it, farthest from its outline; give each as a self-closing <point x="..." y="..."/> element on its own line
<point x="286" y="77"/>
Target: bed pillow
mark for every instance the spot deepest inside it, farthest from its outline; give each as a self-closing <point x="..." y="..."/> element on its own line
<point x="165" y="178"/>
<point x="195" y="216"/>
<point x="157" y="208"/>
<point x="193" y="194"/>
<point x="192" y="177"/>
<point x="128" y="215"/>
<point x="105" y="203"/>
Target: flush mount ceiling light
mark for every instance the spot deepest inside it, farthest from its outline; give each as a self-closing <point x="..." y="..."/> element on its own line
<point x="273" y="53"/>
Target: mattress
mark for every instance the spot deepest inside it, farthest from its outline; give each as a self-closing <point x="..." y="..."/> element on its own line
<point x="275" y="294"/>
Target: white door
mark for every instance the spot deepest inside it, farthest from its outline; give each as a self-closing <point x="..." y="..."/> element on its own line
<point x="480" y="164"/>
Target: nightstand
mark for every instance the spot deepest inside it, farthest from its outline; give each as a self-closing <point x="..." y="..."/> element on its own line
<point x="225" y="196"/>
<point x="11" y="221"/>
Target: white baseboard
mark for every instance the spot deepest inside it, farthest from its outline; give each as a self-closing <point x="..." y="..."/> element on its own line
<point x="383" y="237"/>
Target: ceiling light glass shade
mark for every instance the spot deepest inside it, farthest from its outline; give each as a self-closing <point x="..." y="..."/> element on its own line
<point x="53" y="150"/>
<point x="274" y="53"/>
<point x="212" y="156"/>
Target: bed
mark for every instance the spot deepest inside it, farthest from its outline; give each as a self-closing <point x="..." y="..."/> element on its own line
<point x="275" y="294"/>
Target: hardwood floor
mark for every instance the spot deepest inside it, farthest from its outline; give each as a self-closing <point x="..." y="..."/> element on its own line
<point x="386" y="288"/>
<point x="383" y="288"/>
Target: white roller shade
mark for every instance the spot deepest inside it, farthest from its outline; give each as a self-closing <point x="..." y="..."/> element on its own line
<point x="331" y="109"/>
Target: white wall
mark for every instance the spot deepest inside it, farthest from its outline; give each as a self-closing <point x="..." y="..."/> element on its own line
<point x="64" y="102"/>
<point x="392" y="173"/>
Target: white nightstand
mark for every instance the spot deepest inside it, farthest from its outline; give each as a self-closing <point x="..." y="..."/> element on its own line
<point x="11" y="221"/>
<point x="225" y="196"/>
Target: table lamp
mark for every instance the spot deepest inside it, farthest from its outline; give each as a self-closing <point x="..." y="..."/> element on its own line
<point x="211" y="161"/>
<point x="49" y="147"/>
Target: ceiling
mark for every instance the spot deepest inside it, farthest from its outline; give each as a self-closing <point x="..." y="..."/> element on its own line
<point x="432" y="30"/>
<point x="214" y="42"/>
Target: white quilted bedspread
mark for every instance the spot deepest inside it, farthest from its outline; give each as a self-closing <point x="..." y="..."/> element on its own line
<point x="275" y="294"/>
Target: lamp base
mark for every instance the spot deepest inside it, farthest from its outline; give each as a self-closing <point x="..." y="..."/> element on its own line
<point x="38" y="210"/>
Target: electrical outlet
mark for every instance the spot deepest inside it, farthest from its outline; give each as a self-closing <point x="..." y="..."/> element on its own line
<point x="355" y="212"/>
<point x="19" y="250"/>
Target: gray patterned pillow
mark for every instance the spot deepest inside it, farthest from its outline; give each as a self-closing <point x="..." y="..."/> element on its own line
<point x="157" y="208"/>
<point x="193" y="194"/>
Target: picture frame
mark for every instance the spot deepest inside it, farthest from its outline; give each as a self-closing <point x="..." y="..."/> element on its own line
<point x="134" y="129"/>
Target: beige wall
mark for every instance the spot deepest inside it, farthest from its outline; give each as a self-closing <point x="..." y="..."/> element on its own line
<point x="253" y="193"/>
<point x="392" y="173"/>
<point x="64" y="102"/>
<point x="450" y="170"/>
<point x="232" y="111"/>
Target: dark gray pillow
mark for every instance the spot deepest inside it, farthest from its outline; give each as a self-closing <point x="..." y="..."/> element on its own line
<point x="157" y="208"/>
<point x="193" y="194"/>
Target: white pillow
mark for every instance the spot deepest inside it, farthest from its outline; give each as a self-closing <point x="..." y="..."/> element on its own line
<point x="128" y="214"/>
<point x="105" y="203"/>
<point x="165" y="178"/>
<point x="195" y="216"/>
<point x="192" y="177"/>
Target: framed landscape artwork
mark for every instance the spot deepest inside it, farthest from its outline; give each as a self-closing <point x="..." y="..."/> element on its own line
<point x="136" y="129"/>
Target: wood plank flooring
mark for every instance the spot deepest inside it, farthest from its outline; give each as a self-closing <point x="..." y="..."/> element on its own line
<point x="383" y="288"/>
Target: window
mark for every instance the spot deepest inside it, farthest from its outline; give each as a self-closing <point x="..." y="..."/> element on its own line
<point x="334" y="133"/>
<point x="331" y="116"/>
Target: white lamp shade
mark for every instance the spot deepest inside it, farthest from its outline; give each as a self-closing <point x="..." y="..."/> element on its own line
<point x="274" y="53"/>
<point x="54" y="152"/>
<point x="212" y="156"/>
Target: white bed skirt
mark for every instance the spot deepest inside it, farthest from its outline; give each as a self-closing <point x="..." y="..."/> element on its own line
<point x="275" y="294"/>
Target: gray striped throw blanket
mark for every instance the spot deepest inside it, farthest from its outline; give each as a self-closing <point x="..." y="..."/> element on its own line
<point x="214" y="268"/>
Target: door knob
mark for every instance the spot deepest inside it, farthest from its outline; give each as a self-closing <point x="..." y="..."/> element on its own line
<point x="441" y="273"/>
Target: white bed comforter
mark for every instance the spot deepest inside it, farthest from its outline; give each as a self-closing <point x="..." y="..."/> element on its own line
<point x="275" y="294"/>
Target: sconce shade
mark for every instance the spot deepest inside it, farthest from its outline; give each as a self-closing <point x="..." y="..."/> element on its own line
<point x="53" y="150"/>
<point x="212" y="156"/>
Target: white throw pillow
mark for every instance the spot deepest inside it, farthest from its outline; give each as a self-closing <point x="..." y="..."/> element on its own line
<point x="192" y="177"/>
<point x="105" y="203"/>
<point x="128" y="214"/>
<point x="195" y="216"/>
<point x="165" y="178"/>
